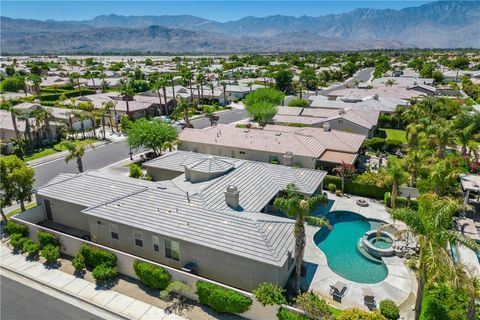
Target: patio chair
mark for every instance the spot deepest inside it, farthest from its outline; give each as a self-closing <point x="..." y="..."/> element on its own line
<point x="338" y="291"/>
<point x="369" y="299"/>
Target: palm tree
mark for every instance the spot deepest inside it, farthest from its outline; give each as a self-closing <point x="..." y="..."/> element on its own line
<point x="155" y="86"/>
<point x="80" y="115"/>
<point x="170" y="145"/>
<point x="36" y="80"/>
<point x="431" y="225"/>
<point x="75" y="152"/>
<point x="412" y="163"/>
<point x="170" y="78"/>
<point x="396" y="173"/>
<point x="127" y="93"/>
<point x="294" y="205"/>
<point x="25" y="115"/>
<point x="390" y="82"/>
<point x="200" y="80"/>
<point x="183" y="108"/>
<point x="188" y="77"/>
<point x="224" y="86"/>
<point x="7" y="105"/>
<point x="75" y="78"/>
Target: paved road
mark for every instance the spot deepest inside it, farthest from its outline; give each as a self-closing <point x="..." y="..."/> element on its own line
<point x="225" y="117"/>
<point x="94" y="159"/>
<point x="21" y="302"/>
<point x="362" y="76"/>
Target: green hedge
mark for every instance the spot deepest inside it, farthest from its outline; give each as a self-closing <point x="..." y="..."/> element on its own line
<point x="46" y="238"/>
<point x="221" y="299"/>
<point x="78" y="262"/>
<point x="104" y="272"/>
<point x="17" y="240"/>
<point x="356" y="188"/>
<point x="152" y="276"/>
<point x="400" y="202"/>
<point x="68" y="94"/>
<point x="51" y="253"/>
<point x="31" y="247"/>
<point x="285" y="314"/>
<point x="95" y="256"/>
<point x="14" y="228"/>
<point x="380" y="144"/>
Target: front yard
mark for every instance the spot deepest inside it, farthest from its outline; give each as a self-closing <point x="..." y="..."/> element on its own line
<point x="58" y="147"/>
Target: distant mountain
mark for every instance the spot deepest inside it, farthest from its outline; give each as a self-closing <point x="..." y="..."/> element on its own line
<point x="439" y="24"/>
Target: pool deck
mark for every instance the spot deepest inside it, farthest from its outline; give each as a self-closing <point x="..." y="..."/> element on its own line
<point x="399" y="285"/>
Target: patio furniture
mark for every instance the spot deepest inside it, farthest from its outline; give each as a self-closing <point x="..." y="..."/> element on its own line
<point x="338" y="290"/>
<point x="369" y="299"/>
<point x="190" y="267"/>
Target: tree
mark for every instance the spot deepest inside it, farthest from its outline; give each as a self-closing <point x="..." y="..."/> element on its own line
<point x="293" y="204"/>
<point x="127" y="93"/>
<point x="16" y="180"/>
<point x="36" y="80"/>
<point x="13" y="84"/>
<point x="262" y="112"/>
<point x="308" y="77"/>
<point x="397" y="176"/>
<point x="7" y="105"/>
<point x="150" y="134"/>
<point x="269" y="95"/>
<point x="75" y="78"/>
<point x="76" y="152"/>
<point x="313" y="305"/>
<point x="183" y="109"/>
<point x="344" y="170"/>
<point x="283" y="80"/>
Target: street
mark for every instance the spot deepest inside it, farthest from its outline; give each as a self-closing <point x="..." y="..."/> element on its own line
<point x="362" y="76"/>
<point x="225" y="117"/>
<point x="21" y="302"/>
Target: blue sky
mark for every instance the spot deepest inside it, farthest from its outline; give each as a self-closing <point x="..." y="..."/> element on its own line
<point x="215" y="10"/>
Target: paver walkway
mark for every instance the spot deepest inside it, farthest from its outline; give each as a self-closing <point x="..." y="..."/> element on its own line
<point x="87" y="291"/>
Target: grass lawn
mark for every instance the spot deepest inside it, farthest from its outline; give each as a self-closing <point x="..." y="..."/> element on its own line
<point x="395" y="134"/>
<point x="335" y="312"/>
<point x="17" y="211"/>
<point x="56" y="148"/>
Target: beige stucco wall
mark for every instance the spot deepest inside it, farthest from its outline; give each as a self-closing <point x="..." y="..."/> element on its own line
<point x="217" y="265"/>
<point x="344" y="125"/>
<point x="67" y="213"/>
<point x="158" y="174"/>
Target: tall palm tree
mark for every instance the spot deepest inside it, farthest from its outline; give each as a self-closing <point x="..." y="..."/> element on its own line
<point x="127" y="93"/>
<point x="171" y="79"/>
<point x="163" y="82"/>
<point x="398" y="176"/>
<point x="76" y="152"/>
<point x="7" y="105"/>
<point x="200" y="80"/>
<point x="431" y="225"/>
<point x="224" y="86"/>
<point x="188" y="77"/>
<point x="36" y="80"/>
<point x="155" y="86"/>
<point x="75" y="77"/>
<point x="183" y="108"/>
<point x="294" y="205"/>
<point x="25" y="115"/>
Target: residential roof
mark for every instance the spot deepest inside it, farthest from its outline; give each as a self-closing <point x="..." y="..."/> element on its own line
<point x="470" y="182"/>
<point x="210" y="165"/>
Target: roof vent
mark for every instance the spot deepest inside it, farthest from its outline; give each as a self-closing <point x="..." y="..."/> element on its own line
<point x="341" y="111"/>
<point x="326" y="126"/>
<point x="375" y="96"/>
<point x="278" y="134"/>
<point x="232" y="196"/>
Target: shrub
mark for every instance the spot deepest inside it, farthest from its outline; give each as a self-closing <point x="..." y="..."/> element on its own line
<point x="375" y="143"/>
<point x="104" y="272"/>
<point x="176" y="286"/>
<point x="357" y="188"/>
<point x="152" y="276"/>
<point x="95" y="256"/>
<point x="313" y="305"/>
<point x="46" y="238"/>
<point x="135" y="171"/>
<point x="51" y="253"/>
<point x="332" y="187"/>
<point x="285" y="314"/>
<point x="400" y="202"/>
<point x="338" y="193"/>
<point x="31" y="247"/>
<point x="17" y="240"/>
<point x="356" y="314"/>
<point x="78" y="262"/>
<point x="221" y="299"/>
<point x="389" y="309"/>
<point x="299" y="103"/>
<point x="392" y="145"/>
<point x="269" y="294"/>
<point x="14" y="228"/>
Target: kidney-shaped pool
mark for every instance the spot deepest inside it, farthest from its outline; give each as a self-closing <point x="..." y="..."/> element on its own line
<point x="340" y="247"/>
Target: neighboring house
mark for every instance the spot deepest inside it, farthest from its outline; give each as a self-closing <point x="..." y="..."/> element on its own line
<point x="351" y="120"/>
<point x="53" y="81"/>
<point x="211" y="213"/>
<point x="424" y="89"/>
<point x="290" y="146"/>
<point x="368" y="103"/>
<point x="238" y="92"/>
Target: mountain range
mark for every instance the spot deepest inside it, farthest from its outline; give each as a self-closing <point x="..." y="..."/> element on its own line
<point x="439" y="24"/>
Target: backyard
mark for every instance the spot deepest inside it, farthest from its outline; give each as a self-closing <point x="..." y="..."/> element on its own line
<point x="395" y="134"/>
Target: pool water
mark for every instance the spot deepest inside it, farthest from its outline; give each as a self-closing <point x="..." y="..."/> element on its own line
<point x="382" y="243"/>
<point x="340" y="247"/>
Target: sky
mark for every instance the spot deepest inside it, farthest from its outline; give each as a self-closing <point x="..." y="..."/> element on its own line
<point x="215" y="10"/>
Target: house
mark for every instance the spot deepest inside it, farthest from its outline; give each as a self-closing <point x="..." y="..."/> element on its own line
<point x="352" y="120"/>
<point x="213" y="212"/>
<point x="382" y="104"/>
<point x="290" y="146"/>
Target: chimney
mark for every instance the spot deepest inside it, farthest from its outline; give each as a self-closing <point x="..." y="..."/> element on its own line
<point x="326" y="126"/>
<point x="232" y="196"/>
<point x="288" y="158"/>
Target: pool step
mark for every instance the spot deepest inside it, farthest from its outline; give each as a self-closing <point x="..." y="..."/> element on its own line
<point x="366" y="254"/>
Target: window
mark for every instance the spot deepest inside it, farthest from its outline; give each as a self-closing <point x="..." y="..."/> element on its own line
<point x="138" y="236"/>
<point x="241" y="152"/>
<point x="156" y="244"/>
<point x="232" y="154"/>
<point x="99" y="222"/>
<point x="172" y="249"/>
<point x="273" y="159"/>
<point x="114" y="231"/>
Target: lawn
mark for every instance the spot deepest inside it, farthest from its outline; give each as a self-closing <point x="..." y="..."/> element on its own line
<point x="17" y="211"/>
<point x="56" y="148"/>
<point x="395" y="134"/>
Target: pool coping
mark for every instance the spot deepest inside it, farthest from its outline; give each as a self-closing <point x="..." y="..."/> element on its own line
<point x="399" y="284"/>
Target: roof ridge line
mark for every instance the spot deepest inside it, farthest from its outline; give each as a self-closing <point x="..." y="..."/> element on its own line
<point x="267" y="241"/>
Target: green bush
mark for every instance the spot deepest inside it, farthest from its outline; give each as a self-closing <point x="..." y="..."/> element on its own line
<point x="176" y="286"/>
<point x="51" y="253"/>
<point x="338" y="193"/>
<point x="375" y="143"/>
<point x="17" y="240"/>
<point x="12" y="228"/>
<point x="285" y="314"/>
<point x="357" y="314"/>
<point x="313" y="305"/>
<point x="389" y="309"/>
<point x="104" y="272"/>
<point x="95" y="256"/>
<point x="332" y="187"/>
<point x="221" y="299"/>
<point x="392" y="145"/>
<point x="400" y="202"/>
<point x="356" y="188"/>
<point x="135" y="171"/>
<point x="78" y="262"/>
<point x="46" y="238"/>
<point x="31" y="247"/>
<point x="152" y="276"/>
<point x="68" y="94"/>
<point x="299" y="103"/>
<point x="269" y="294"/>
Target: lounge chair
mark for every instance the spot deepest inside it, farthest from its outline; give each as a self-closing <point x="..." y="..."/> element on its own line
<point x="338" y="290"/>
<point x="369" y="299"/>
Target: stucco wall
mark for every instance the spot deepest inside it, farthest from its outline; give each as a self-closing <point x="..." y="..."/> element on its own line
<point x="67" y="213"/>
<point x="71" y="245"/>
<point x="158" y="174"/>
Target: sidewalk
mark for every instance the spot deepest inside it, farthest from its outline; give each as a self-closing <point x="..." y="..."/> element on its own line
<point x="86" y="291"/>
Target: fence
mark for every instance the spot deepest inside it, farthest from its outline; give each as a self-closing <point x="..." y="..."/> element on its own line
<point x="71" y="245"/>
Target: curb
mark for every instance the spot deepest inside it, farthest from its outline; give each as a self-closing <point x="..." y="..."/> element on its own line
<point x="66" y="292"/>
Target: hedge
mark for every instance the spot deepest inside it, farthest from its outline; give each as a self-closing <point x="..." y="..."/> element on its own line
<point x="78" y="262"/>
<point x="379" y="144"/>
<point x="152" y="276"/>
<point x="46" y="238"/>
<point x="356" y="188"/>
<point x="95" y="256"/>
<point x="51" y="253"/>
<point x="14" y="228"/>
<point x="400" y="202"/>
<point x="221" y="299"/>
<point x="31" y="247"/>
<point x="68" y="94"/>
<point x="285" y="314"/>
<point x="17" y="240"/>
<point x="104" y="272"/>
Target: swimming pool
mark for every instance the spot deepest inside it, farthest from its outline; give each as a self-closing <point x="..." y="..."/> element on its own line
<point x="340" y="247"/>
